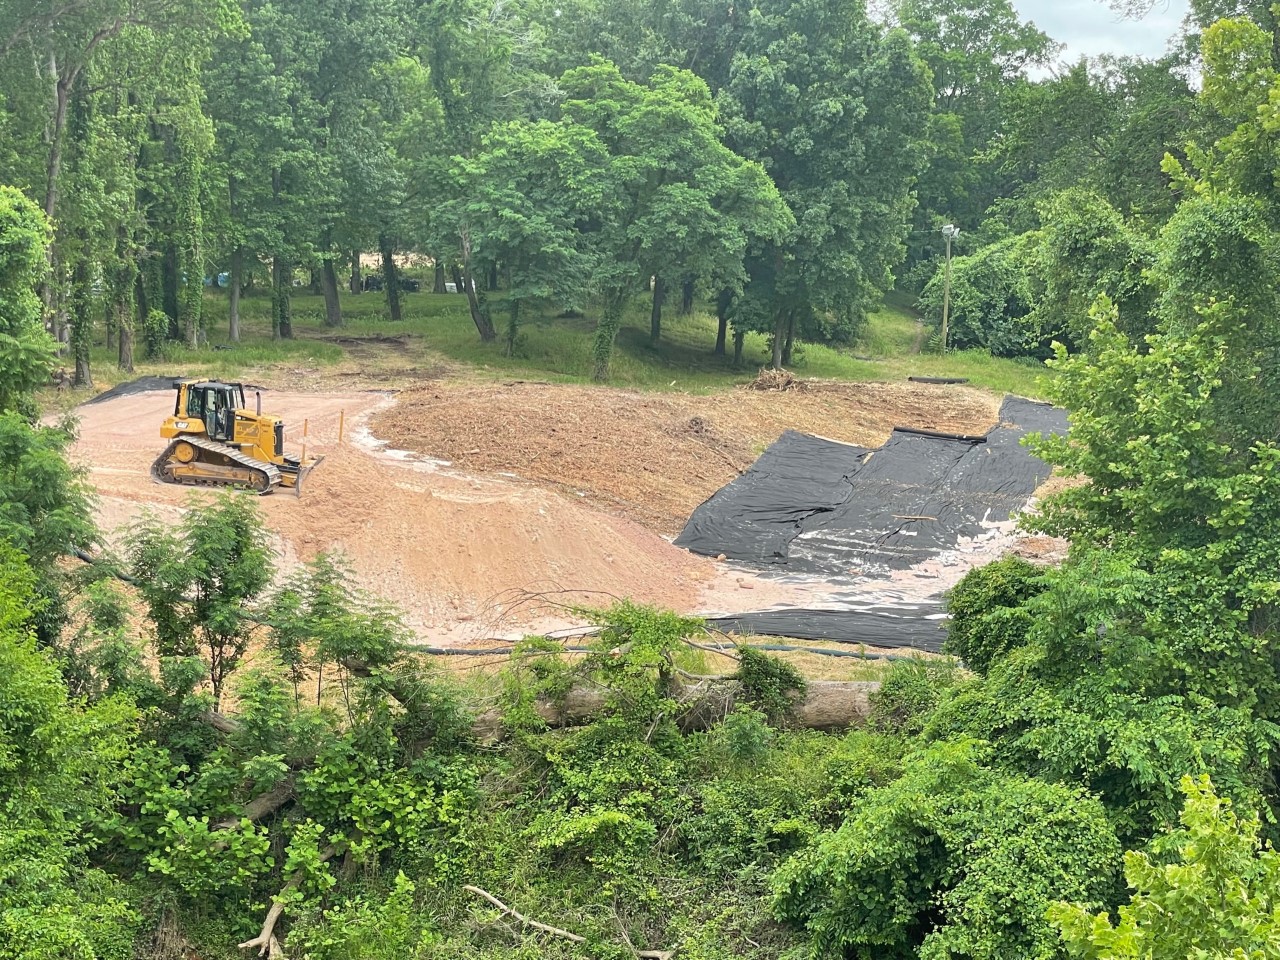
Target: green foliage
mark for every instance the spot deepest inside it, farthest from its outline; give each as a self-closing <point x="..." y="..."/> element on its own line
<point x="200" y="583"/>
<point x="376" y="926"/>
<point x="44" y="501"/>
<point x="1086" y="250"/>
<point x="26" y="351"/>
<point x="154" y="332"/>
<point x="60" y="764"/>
<point x="909" y="693"/>
<point x="1217" y="898"/>
<point x="771" y="683"/>
<point x="988" y="618"/>
<point x="1180" y="488"/>
<point x="992" y="299"/>
<point x="951" y="859"/>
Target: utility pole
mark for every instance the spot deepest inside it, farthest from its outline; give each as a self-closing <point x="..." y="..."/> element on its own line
<point x="950" y="232"/>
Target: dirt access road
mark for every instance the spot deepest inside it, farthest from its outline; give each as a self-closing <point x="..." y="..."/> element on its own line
<point x="516" y="492"/>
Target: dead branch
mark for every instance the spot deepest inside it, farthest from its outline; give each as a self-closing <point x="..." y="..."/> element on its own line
<point x="554" y="931"/>
<point x="266" y="942"/>
<point x="261" y="806"/>
<point x="221" y="722"/>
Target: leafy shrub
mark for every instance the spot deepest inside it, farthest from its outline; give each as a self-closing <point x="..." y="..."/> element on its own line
<point x="1219" y="898"/>
<point x="953" y="859"/>
<point x="992" y="300"/>
<point x="769" y="682"/>
<point x="373" y="927"/>
<point x="909" y="693"/>
<point x="987" y="615"/>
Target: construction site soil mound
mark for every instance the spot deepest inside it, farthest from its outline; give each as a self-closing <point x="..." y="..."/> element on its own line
<point x="465" y="556"/>
<point x="654" y="457"/>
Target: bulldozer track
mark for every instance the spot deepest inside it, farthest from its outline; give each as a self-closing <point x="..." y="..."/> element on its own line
<point x="266" y="476"/>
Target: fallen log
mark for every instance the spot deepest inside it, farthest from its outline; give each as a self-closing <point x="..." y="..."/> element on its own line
<point x="704" y="702"/>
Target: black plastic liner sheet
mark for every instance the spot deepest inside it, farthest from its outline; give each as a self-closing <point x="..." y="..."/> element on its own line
<point x="824" y="508"/>
<point x="877" y="629"/>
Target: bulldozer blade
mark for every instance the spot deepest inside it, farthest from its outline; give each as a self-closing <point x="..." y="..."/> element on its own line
<point x="302" y="472"/>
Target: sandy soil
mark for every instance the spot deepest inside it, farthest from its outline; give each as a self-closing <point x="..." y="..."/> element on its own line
<point x="459" y="553"/>
<point x="515" y="502"/>
<point x="654" y="457"/>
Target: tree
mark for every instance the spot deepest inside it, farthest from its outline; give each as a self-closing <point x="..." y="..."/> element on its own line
<point x="200" y="583"/>
<point x="949" y="859"/>
<point x="26" y="351"/>
<point x="1219" y="898"/>
<point x="835" y="109"/>
<point x="61" y="764"/>
<point x="526" y="197"/>
<point x="977" y="52"/>
<point x="670" y="186"/>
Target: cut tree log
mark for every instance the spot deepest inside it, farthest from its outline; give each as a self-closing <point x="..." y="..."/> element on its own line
<point x="826" y="705"/>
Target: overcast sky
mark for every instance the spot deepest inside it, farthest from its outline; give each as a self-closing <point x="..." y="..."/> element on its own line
<point x="1090" y="27"/>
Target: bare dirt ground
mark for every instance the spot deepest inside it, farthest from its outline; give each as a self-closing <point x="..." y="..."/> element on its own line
<point x="484" y="510"/>
<point x="654" y="457"/>
<point x="456" y="552"/>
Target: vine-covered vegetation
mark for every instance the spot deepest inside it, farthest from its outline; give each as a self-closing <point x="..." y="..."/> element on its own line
<point x="200" y="756"/>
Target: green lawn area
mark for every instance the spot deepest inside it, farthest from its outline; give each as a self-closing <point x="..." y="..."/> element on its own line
<point x="558" y="349"/>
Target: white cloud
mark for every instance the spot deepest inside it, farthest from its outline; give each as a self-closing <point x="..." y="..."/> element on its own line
<point x="1091" y="27"/>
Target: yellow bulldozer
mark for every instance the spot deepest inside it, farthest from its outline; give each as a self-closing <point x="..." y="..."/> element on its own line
<point x="216" y="439"/>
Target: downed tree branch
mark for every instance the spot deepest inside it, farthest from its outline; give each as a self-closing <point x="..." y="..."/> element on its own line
<point x="554" y="931"/>
<point x="266" y="942"/>
<point x="826" y="705"/>
<point x="261" y="806"/>
<point x="221" y="722"/>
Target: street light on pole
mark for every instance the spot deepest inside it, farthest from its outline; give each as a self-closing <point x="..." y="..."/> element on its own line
<point x="950" y="232"/>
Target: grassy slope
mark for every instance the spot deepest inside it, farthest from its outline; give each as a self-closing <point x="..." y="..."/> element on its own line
<point x="558" y="349"/>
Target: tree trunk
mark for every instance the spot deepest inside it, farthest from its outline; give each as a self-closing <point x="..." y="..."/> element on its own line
<point x="484" y="324"/>
<point x="233" y="294"/>
<point x="169" y="279"/>
<point x="281" y="308"/>
<point x="390" y="277"/>
<point x="53" y="169"/>
<point x="723" y="302"/>
<point x="332" y="305"/>
<point x="357" y="282"/>
<point x="315" y="282"/>
<point x="189" y="233"/>
<point x="606" y="333"/>
<point x="738" y="337"/>
<point x="655" y="313"/>
<point x="458" y="284"/>
<point x="438" y="286"/>
<point x="109" y="323"/>
<point x="81" y="324"/>
<point x="686" y="297"/>
<point x="493" y="277"/>
<point x="791" y="332"/>
<point x="779" y="334"/>
<point x="125" y="357"/>
<point x="513" y="324"/>
<point x="141" y="297"/>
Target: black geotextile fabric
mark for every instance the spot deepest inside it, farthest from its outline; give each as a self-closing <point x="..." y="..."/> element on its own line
<point x="820" y="507"/>
<point x="876" y="628"/>
<point x="131" y="387"/>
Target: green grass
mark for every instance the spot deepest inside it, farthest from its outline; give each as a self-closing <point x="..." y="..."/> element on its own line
<point x="558" y="349"/>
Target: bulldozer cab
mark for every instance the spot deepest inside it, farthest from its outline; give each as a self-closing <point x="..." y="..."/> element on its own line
<point x="213" y="404"/>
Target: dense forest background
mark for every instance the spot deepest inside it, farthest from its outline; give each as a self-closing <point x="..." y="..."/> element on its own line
<point x="1097" y="780"/>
